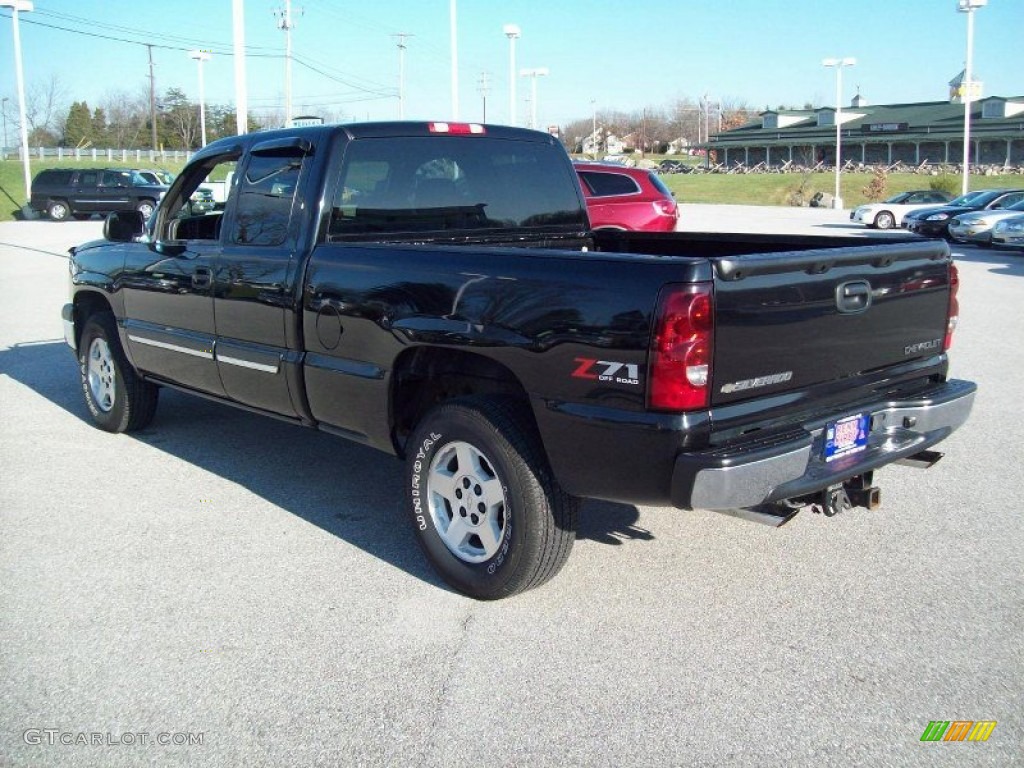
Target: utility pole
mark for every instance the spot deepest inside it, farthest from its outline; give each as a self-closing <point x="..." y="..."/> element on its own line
<point x="484" y="87"/>
<point x="401" y="71"/>
<point x="285" y="23"/>
<point x="152" y="95"/>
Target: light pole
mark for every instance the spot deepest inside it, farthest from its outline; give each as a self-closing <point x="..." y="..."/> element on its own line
<point x="4" y="110"/>
<point x="453" y="21"/>
<point x="20" y="6"/>
<point x="238" y="42"/>
<point x="200" y="57"/>
<point x="512" y="32"/>
<point x="837" y="201"/>
<point x="968" y="7"/>
<point x="533" y="74"/>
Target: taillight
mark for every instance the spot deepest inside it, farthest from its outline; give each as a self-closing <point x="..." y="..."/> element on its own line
<point x="457" y="129"/>
<point x="953" y="315"/>
<point x="681" y="348"/>
<point x="665" y="207"/>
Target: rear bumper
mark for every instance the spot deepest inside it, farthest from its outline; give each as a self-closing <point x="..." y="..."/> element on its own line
<point x="792" y="465"/>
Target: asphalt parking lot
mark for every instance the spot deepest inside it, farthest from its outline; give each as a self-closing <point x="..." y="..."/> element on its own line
<point x="249" y="593"/>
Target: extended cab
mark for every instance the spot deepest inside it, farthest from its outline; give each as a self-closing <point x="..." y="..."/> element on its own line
<point x="434" y="290"/>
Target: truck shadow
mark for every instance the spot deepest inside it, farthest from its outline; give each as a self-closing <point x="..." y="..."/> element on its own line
<point x="348" y="490"/>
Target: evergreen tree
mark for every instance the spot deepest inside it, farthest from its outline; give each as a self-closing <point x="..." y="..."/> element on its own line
<point x="78" y="126"/>
<point x="99" y="126"/>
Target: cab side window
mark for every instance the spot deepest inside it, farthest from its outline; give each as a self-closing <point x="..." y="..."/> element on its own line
<point x="266" y="197"/>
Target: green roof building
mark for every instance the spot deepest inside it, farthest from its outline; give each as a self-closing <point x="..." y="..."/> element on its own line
<point x="925" y="132"/>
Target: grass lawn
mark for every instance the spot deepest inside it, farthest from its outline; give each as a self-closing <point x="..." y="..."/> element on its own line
<point x="776" y="188"/>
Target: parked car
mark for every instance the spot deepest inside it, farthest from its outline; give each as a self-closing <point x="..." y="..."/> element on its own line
<point x="202" y="201"/>
<point x="1009" y="233"/>
<point x="64" y="192"/>
<point x="934" y="222"/>
<point x="627" y="198"/>
<point x="977" y="227"/>
<point x="157" y="176"/>
<point x="889" y="213"/>
<point x="671" y="166"/>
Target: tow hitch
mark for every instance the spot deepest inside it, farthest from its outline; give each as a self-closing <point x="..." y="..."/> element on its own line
<point x="855" y="492"/>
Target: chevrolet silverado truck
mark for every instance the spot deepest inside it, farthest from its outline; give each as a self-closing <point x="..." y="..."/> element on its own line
<point x="434" y="290"/>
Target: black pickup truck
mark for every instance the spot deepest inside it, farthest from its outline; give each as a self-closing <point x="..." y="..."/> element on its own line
<point x="434" y="290"/>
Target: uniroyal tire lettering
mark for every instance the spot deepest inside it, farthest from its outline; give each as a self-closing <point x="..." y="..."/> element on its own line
<point x="417" y="469"/>
<point x="606" y="370"/>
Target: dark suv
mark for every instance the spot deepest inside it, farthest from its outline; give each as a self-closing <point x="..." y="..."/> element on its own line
<point x="64" y="192"/>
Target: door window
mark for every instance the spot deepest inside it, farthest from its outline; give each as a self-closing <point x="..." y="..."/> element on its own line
<point x="266" y="196"/>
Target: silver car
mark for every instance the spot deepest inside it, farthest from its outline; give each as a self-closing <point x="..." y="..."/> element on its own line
<point x="1009" y="233"/>
<point x="976" y="227"/>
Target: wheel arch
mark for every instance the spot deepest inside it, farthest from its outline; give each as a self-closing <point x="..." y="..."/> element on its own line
<point x="88" y="303"/>
<point x="427" y="376"/>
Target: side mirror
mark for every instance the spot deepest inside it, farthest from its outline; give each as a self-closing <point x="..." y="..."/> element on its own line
<point x="123" y="226"/>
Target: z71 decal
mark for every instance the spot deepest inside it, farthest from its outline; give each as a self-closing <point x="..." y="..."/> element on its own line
<point x="607" y="370"/>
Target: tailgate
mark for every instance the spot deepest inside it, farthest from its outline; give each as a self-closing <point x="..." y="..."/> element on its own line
<point x="790" y="320"/>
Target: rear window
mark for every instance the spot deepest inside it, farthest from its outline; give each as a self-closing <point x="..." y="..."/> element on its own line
<point x="608" y="184"/>
<point x="440" y="183"/>
<point x="53" y="178"/>
<point x="659" y="185"/>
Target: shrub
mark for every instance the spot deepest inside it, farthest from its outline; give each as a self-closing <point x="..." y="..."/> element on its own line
<point x="875" y="190"/>
<point x="946" y="182"/>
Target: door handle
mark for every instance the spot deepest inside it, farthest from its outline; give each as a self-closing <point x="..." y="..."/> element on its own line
<point x="202" y="277"/>
<point x="853" y="297"/>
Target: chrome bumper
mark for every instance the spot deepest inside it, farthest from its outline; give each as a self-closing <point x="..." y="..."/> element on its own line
<point x="746" y="476"/>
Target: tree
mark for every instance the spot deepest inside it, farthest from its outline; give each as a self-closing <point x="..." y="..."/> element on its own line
<point x="179" y="120"/>
<point x="99" y="126"/>
<point x="78" y="125"/>
<point x="127" y="117"/>
<point x="44" y="102"/>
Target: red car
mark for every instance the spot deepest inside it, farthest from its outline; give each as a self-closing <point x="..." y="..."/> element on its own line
<point x="627" y="198"/>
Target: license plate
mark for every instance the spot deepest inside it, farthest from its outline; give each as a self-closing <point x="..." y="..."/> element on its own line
<point x="846" y="436"/>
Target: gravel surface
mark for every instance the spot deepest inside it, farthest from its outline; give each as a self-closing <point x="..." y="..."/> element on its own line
<point x="231" y="580"/>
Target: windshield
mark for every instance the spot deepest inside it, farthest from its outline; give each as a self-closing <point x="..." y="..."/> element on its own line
<point x="898" y="198"/>
<point x="965" y="199"/>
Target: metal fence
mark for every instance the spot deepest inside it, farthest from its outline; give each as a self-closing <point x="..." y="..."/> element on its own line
<point x="108" y="155"/>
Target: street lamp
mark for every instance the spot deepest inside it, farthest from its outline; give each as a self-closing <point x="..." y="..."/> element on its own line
<point x="533" y="74"/>
<point x="837" y="201"/>
<point x="200" y="57"/>
<point x="4" y="110"/>
<point x="20" y="6"/>
<point x="512" y="32"/>
<point x="968" y="7"/>
<point x="454" y="29"/>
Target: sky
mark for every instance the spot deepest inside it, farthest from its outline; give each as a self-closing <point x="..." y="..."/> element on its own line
<point x="600" y="54"/>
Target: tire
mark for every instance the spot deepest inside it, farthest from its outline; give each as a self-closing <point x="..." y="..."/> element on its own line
<point x="117" y="398"/>
<point x="518" y="527"/>
<point x="885" y="220"/>
<point x="146" y="208"/>
<point x="58" y="210"/>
